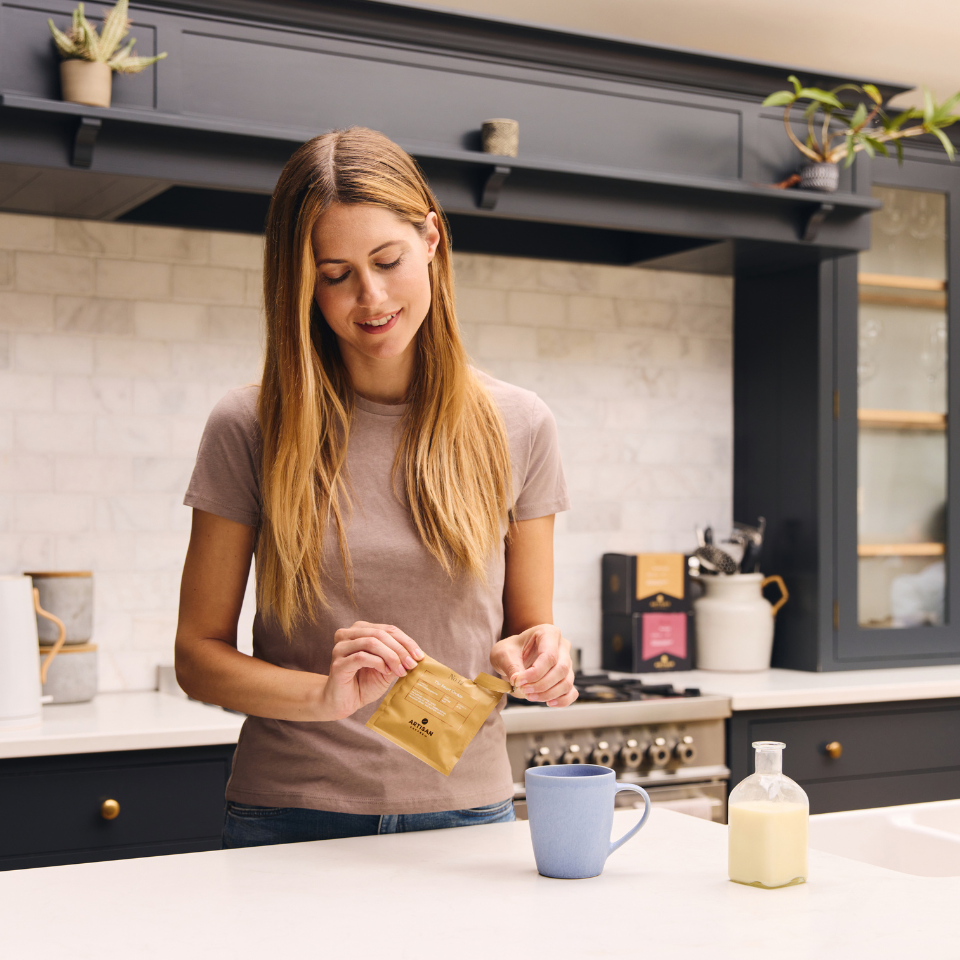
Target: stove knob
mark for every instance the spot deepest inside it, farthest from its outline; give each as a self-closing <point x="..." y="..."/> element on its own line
<point x="684" y="750"/>
<point x="631" y="754"/>
<point x="541" y="757"/>
<point x="602" y="755"/>
<point x="572" y="754"/>
<point x="658" y="752"/>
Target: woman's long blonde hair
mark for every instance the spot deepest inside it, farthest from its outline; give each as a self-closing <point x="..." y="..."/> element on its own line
<point x="452" y="461"/>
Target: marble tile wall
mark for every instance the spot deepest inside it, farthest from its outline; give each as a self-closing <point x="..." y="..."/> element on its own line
<point x="116" y="340"/>
<point x="637" y="368"/>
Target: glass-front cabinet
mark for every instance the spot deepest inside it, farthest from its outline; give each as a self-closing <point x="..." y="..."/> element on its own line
<point x="902" y="352"/>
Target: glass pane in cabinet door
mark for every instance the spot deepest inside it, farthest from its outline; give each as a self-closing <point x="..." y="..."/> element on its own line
<point x="902" y="412"/>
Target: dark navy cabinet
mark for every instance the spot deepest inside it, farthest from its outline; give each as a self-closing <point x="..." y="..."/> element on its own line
<point x="170" y="801"/>
<point x="889" y="753"/>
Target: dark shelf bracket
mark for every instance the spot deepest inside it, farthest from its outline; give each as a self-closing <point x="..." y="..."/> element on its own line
<point x="84" y="141"/>
<point x="816" y="217"/>
<point x="490" y="192"/>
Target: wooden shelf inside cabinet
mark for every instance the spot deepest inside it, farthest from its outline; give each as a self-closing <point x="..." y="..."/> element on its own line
<point x="901" y="550"/>
<point x="926" y="293"/>
<point x="902" y="419"/>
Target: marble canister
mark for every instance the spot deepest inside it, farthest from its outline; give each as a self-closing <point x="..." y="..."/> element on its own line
<point x="68" y="595"/>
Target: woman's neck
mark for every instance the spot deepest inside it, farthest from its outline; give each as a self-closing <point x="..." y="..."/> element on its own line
<point x="380" y="380"/>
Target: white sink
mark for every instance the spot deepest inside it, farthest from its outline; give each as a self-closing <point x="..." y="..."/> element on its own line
<point x="922" y="839"/>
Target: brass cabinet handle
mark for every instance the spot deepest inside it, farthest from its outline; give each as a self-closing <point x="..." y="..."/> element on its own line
<point x="834" y="749"/>
<point x="109" y="809"/>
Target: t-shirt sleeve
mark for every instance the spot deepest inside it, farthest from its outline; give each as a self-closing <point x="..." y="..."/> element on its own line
<point x="225" y="480"/>
<point x="544" y="489"/>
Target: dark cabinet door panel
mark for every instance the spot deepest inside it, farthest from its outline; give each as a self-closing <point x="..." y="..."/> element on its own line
<point x="828" y="796"/>
<point x="873" y="742"/>
<point x="170" y="801"/>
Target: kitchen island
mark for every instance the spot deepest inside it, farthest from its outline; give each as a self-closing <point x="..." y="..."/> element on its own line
<point x="471" y="893"/>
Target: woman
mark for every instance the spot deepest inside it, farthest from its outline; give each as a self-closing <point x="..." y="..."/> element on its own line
<point x="395" y="499"/>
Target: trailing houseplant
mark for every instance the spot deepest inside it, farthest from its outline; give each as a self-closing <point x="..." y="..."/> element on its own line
<point x="90" y="60"/>
<point x="845" y="128"/>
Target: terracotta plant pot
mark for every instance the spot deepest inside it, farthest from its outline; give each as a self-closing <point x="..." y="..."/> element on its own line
<point x="86" y="82"/>
<point x="824" y="177"/>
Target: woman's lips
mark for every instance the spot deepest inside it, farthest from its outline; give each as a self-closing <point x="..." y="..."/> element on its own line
<point x="383" y="328"/>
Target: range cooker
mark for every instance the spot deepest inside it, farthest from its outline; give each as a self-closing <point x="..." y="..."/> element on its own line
<point x="669" y="741"/>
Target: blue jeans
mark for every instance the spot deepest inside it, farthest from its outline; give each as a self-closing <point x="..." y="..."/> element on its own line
<point x="246" y="826"/>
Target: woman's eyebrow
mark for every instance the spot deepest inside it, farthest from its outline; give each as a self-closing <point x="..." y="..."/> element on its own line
<point x="389" y="243"/>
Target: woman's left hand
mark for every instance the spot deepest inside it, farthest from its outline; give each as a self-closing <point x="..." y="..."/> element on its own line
<point x="537" y="662"/>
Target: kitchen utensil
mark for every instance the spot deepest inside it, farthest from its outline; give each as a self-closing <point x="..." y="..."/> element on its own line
<point x="715" y="560"/>
<point x="20" y="695"/>
<point x="72" y="678"/>
<point x="570" y="808"/>
<point x="735" y="622"/>
<point x="69" y="595"/>
<point x="708" y="537"/>
<point x="751" y="557"/>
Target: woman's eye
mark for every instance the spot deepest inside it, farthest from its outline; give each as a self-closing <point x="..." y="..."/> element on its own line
<point x="331" y="281"/>
<point x="390" y="266"/>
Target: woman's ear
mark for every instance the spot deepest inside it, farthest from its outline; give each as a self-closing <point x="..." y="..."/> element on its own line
<point x="431" y="235"/>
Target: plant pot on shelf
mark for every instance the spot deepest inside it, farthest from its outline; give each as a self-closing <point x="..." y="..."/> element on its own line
<point x="84" y="81"/>
<point x="824" y="177"/>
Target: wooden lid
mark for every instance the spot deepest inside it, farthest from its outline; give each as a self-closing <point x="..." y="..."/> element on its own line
<point x="59" y="573"/>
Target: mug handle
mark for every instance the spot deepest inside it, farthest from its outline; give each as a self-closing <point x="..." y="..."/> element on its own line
<point x="617" y="844"/>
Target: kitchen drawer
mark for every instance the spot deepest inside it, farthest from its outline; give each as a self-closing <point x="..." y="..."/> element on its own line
<point x="893" y="753"/>
<point x="169" y="800"/>
<point x="880" y="741"/>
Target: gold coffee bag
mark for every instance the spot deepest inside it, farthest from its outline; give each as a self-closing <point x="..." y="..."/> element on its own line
<point x="434" y="713"/>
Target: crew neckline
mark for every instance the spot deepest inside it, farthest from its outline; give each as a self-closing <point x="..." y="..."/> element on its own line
<point x="380" y="409"/>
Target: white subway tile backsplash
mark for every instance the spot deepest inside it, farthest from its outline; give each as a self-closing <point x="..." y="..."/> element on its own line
<point x="54" y="513"/>
<point x="93" y="315"/>
<point x="132" y="435"/>
<point x="94" y="238"/>
<point x="61" y="433"/>
<point x="169" y="321"/>
<point x="93" y="395"/>
<point x="52" y="353"/>
<point x="53" y="273"/>
<point x="116" y="341"/>
<point x="18" y="232"/>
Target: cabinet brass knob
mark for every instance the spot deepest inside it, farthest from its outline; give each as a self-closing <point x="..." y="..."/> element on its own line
<point x="834" y="749"/>
<point x="109" y="809"/>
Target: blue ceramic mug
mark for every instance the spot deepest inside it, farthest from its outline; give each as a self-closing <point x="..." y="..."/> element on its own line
<point x="570" y="807"/>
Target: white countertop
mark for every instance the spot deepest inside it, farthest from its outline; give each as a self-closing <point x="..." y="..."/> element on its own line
<point x="150" y="720"/>
<point x="775" y="689"/>
<point x="122" y="721"/>
<point x="471" y="893"/>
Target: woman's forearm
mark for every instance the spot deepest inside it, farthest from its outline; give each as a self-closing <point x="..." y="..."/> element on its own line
<point x="214" y="671"/>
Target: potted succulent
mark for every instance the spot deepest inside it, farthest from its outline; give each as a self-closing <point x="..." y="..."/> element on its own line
<point x="845" y="128"/>
<point x="89" y="60"/>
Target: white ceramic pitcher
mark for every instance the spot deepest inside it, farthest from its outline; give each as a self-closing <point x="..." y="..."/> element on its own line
<point x="20" y="681"/>
<point x="735" y="622"/>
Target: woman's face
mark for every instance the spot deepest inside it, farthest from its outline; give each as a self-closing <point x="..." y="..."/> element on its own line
<point x="373" y="286"/>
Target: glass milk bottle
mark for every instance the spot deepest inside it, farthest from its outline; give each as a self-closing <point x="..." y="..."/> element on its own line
<point x="768" y="824"/>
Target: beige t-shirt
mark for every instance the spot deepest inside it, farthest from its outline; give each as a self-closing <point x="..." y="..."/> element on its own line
<point x="341" y="765"/>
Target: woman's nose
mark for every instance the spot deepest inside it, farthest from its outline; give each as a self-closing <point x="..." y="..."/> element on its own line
<point x="371" y="290"/>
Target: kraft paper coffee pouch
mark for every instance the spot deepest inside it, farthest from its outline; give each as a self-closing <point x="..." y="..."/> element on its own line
<point x="434" y="713"/>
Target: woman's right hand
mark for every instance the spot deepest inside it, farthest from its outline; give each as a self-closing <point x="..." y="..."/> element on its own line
<point x="367" y="658"/>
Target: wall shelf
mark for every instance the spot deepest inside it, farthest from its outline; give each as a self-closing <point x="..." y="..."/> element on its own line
<point x="900" y="282"/>
<point x="901" y="550"/>
<point x="902" y="419"/>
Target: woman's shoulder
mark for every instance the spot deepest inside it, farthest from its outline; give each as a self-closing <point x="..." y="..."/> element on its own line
<point x="520" y="408"/>
<point x="236" y="411"/>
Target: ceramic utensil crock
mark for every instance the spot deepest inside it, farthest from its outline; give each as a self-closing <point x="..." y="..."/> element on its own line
<point x="735" y="623"/>
<point x="570" y="807"/>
